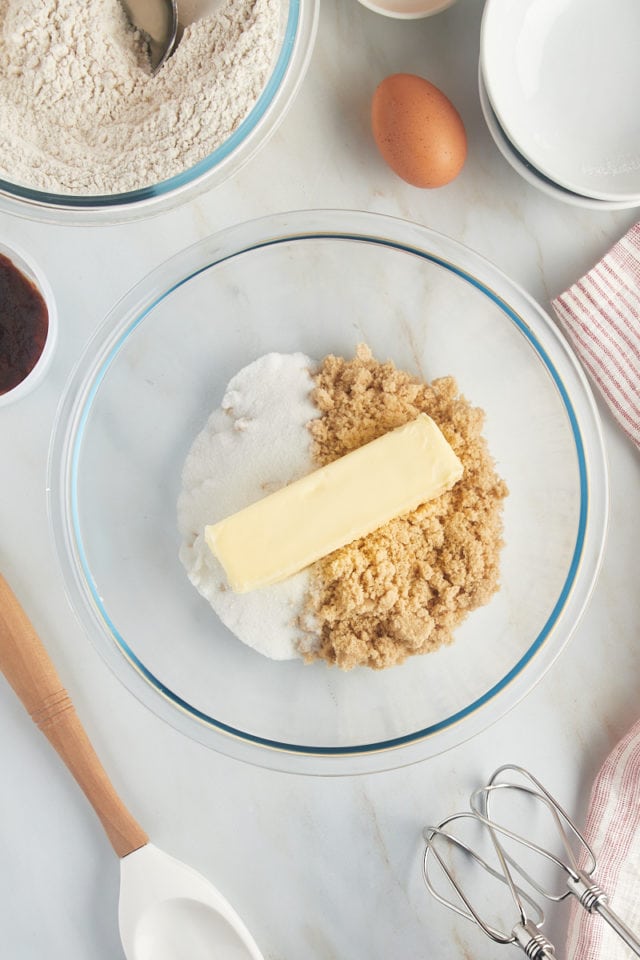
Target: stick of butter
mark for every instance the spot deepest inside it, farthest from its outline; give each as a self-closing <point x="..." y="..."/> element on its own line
<point x="290" y="529"/>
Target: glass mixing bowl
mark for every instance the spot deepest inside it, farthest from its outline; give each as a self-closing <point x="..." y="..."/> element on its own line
<point x="299" y="21"/>
<point x="321" y="282"/>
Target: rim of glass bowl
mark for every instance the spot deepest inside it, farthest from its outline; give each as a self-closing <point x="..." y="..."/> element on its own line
<point x="254" y="131"/>
<point x="518" y="307"/>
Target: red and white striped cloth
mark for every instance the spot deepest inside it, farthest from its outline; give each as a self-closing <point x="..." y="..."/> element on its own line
<point x="613" y="831"/>
<point x="601" y="315"/>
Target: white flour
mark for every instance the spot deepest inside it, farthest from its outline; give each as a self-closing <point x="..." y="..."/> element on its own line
<point x="80" y="112"/>
<point x="257" y="442"/>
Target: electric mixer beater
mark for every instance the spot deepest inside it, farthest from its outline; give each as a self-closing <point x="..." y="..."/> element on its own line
<point x="492" y="850"/>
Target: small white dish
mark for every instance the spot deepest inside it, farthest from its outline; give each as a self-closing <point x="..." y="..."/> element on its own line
<point x="562" y="77"/>
<point x="529" y="173"/>
<point x="25" y="264"/>
<point x="407" y="9"/>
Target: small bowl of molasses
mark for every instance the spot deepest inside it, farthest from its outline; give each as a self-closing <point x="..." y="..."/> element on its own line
<point x="28" y="324"/>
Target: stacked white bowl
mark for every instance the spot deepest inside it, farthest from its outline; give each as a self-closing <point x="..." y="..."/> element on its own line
<point x="559" y="88"/>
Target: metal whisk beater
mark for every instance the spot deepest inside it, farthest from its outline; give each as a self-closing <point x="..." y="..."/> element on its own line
<point x="525" y="930"/>
<point x="575" y="867"/>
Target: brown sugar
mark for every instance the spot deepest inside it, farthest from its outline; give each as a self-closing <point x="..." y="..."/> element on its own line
<point x="403" y="589"/>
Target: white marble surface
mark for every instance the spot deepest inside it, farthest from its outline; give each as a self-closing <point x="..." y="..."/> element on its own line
<point x="318" y="868"/>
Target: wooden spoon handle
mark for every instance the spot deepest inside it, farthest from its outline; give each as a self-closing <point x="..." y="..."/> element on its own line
<point x="26" y="665"/>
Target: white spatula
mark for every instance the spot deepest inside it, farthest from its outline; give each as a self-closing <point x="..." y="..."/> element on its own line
<point x="167" y="910"/>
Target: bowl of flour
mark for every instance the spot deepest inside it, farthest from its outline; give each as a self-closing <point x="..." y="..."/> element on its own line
<point x="87" y="132"/>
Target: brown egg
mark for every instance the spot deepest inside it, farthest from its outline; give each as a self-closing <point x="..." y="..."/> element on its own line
<point x="418" y="131"/>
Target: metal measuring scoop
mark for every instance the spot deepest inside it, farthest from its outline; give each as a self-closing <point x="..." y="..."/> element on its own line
<point x="158" y="20"/>
<point x="167" y="910"/>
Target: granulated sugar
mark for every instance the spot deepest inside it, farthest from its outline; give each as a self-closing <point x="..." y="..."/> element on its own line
<point x="80" y="112"/>
<point x="257" y="442"/>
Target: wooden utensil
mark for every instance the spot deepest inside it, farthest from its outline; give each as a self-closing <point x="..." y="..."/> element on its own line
<point x="167" y="910"/>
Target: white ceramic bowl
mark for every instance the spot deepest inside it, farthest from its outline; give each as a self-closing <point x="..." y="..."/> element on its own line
<point x="28" y="266"/>
<point x="407" y="9"/>
<point x="563" y="79"/>
<point x="320" y="282"/>
<point x="529" y="173"/>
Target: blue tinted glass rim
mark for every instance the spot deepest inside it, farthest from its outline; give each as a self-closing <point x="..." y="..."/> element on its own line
<point x="199" y="169"/>
<point x="378" y="746"/>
